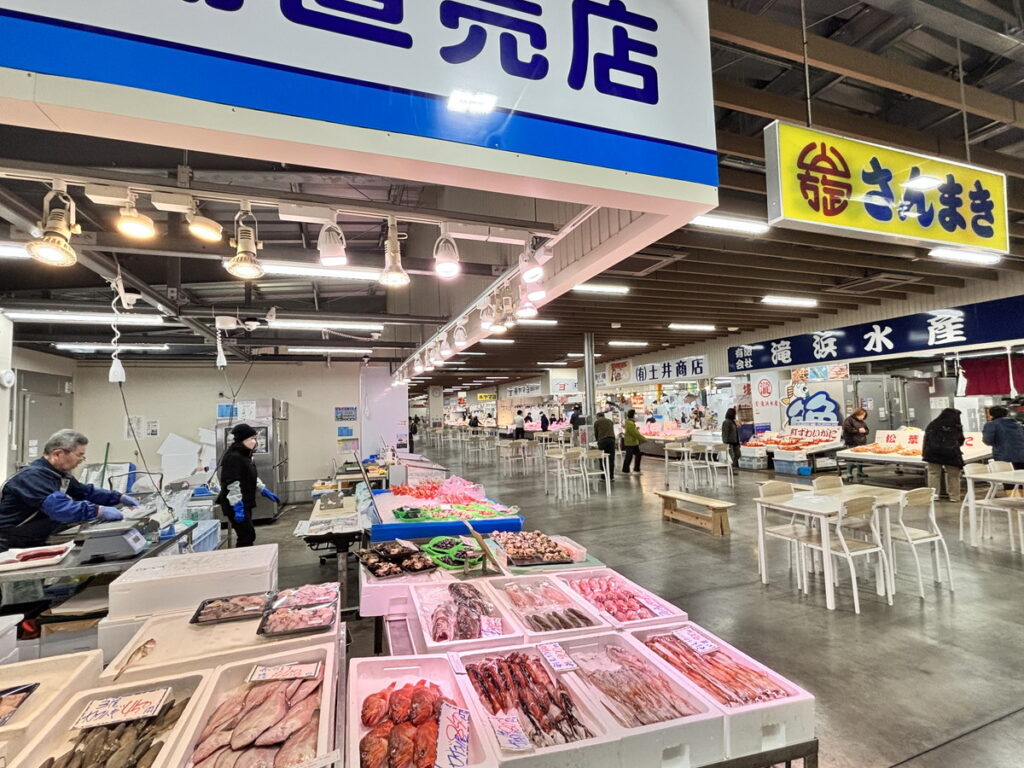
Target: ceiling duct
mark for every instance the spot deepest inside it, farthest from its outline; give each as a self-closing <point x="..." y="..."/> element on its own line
<point x="880" y="281"/>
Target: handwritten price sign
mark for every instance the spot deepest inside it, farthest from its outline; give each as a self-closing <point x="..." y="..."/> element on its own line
<point x="122" y="709"/>
<point x="452" y="737"/>
<point x="491" y="626"/>
<point x="509" y="733"/>
<point x="557" y="657"/>
<point x="695" y="641"/>
<point x="261" y="673"/>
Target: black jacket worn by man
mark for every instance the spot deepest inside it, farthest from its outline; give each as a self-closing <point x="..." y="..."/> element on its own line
<point x="852" y="435"/>
<point x="237" y="466"/>
<point x="40" y="500"/>
<point x="942" y="444"/>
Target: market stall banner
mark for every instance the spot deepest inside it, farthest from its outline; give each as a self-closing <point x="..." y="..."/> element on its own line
<point x="486" y="396"/>
<point x="518" y="390"/>
<point x="673" y="368"/>
<point x="819" y="181"/>
<point x="985" y="322"/>
<point x="591" y="82"/>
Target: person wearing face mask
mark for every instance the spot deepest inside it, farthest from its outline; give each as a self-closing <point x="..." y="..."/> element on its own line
<point x="44" y="496"/>
<point x="239" y="483"/>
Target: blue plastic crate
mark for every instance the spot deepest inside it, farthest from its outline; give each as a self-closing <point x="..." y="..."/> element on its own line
<point x="784" y="467"/>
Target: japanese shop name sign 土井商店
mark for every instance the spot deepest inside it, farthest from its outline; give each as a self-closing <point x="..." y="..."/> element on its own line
<point x="822" y="182"/>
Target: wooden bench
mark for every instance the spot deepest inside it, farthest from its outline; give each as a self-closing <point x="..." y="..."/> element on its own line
<point x="714" y="516"/>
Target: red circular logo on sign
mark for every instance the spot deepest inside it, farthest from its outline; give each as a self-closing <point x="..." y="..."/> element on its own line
<point x="764" y="387"/>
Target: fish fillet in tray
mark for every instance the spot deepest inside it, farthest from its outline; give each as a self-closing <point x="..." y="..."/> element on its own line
<point x="763" y="710"/>
<point x="545" y="608"/>
<point x="618" y="600"/>
<point x="659" y="720"/>
<point x="531" y="716"/>
<point x="289" y="722"/>
<point x="56" y="737"/>
<point x="371" y="700"/>
<point x="459" y="616"/>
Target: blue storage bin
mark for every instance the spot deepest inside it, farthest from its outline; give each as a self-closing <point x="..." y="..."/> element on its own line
<point x="784" y="467"/>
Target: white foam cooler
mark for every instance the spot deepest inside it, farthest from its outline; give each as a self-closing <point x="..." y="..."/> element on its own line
<point x="161" y="585"/>
<point x="749" y="728"/>
<point x="420" y="625"/>
<point x="58" y="678"/>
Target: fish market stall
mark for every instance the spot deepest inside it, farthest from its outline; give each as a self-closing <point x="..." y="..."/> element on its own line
<point x="811" y="448"/>
<point x="903" y="447"/>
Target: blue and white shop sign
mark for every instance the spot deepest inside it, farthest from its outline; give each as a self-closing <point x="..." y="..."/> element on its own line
<point x="982" y="323"/>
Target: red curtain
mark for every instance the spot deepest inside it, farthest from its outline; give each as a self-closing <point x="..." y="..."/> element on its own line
<point x="991" y="375"/>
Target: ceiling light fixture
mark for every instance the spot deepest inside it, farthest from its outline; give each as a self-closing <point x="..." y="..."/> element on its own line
<point x="81" y="318"/>
<point x="13" y="251"/>
<point x="58" y="225"/>
<point x="331" y="246"/>
<point x="580" y="354"/>
<point x="297" y="269"/>
<point x="551" y="364"/>
<point x="445" y="347"/>
<point x="393" y="276"/>
<point x="497" y="341"/>
<point x="435" y="355"/>
<point x="203" y="227"/>
<point x="70" y="346"/>
<point x="537" y="321"/>
<point x="246" y="243"/>
<point x="530" y="268"/>
<point x="417" y="364"/>
<point x="330" y="351"/>
<point x="131" y="223"/>
<point x="619" y="290"/>
<point x="536" y="293"/>
<point x="731" y="224"/>
<point x="690" y="327"/>
<point x="446" y="256"/>
<point x="299" y="324"/>
<point x="789" y="301"/>
<point x="978" y="258"/>
<point x="459" y="338"/>
<point x="527" y="310"/>
<point x="487" y="316"/>
<point x="627" y="344"/>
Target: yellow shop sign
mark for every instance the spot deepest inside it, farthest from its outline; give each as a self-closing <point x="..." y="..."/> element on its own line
<point x="819" y="181"/>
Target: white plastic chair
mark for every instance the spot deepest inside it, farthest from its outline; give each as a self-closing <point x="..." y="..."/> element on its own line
<point x="720" y="457"/>
<point x="859" y="507"/>
<point x="596" y="465"/>
<point x="554" y="459"/>
<point x="694" y="464"/>
<point x="674" y="448"/>
<point x="510" y="454"/>
<point x="991" y="502"/>
<point x="574" y="477"/>
<point x="922" y="532"/>
<point x="793" y="532"/>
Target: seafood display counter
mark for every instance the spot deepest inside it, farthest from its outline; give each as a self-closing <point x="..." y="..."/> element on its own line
<point x="903" y="447"/>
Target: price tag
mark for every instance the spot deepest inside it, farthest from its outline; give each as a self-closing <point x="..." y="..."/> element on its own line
<point x="509" y="733"/>
<point x="122" y="709"/>
<point x="559" y="660"/>
<point x="331" y="758"/>
<point x="452" y="737"/>
<point x="695" y="641"/>
<point x="456" y="661"/>
<point x="654" y="606"/>
<point x="408" y="544"/>
<point x="284" y="672"/>
<point x="491" y="627"/>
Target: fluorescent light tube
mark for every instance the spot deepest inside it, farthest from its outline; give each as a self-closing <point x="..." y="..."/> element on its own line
<point x="789" y="301"/>
<point x="295" y="269"/>
<point x="619" y="290"/>
<point x="536" y="321"/>
<point x="81" y="318"/>
<point x="330" y="351"/>
<point x="71" y="346"/>
<point x="497" y="341"/>
<point x="731" y="224"/>
<point x="627" y="343"/>
<point x="13" y="251"/>
<point x="965" y="257"/>
<point x="298" y="324"/>
<point x="690" y="327"/>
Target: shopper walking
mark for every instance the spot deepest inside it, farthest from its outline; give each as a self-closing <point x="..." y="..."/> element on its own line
<point x="1006" y="436"/>
<point x="474" y="422"/>
<point x="414" y="429"/>
<point x="855" y="432"/>
<point x="604" y="434"/>
<point x="575" y="421"/>
<point x="731" y="436"/>
<point x="239" y="483"/>
<point x="941" y="452"/>
<point x="529" y="418"/>
<point x="545" y="422"/>
<point x="520" y="433"/>
<point x="632" y="442"/>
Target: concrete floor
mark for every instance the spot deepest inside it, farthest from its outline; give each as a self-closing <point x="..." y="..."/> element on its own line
<point x="932" y="683"/>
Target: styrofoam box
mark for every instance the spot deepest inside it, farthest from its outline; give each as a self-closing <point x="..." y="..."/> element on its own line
<point x="498" y="585"/>
<point x="750" y="728"/>
<point x="58" y="678"/>
<point x="76" y="641"/>
<point x="160" y="585"/>
<point x="419" y="623"/>
<point x="698" y="739"/>
<point x="599" y="751"/>
<point x="10" y="658"/>
<point x="181" y="647"/>
<point x="28" y="650"/>
<point x="673" y="613"/>
<point x="390" y="597"/>
<point x="754" y="451"/>
<point x="227" y="678"/>
<point x="55" y="737"/>
<point x="367" y="676"/>
<point x="9" y="633"/>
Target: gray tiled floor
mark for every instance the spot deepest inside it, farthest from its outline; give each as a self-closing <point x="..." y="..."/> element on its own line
<point x="929" y="678"/>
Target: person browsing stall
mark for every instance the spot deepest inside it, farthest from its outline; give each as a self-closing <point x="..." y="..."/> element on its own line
<point x="545" y="422"/>
<point x="44" y="496"/>
<point x="520" y="424"/>
<point x="731" y="436"/>
<point x="239" y="483"/>
<point x="632" y="442"/>
<point x="941" y="452"/>
<point x="1006" y="436"/>
<point x="604" y="434"/>
<point x="855" y="432"/>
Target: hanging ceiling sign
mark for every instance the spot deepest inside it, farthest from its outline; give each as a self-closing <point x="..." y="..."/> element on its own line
<point x="667" y="370"/>
<point x="987" y="322"/>
<point x="593" y="82"/>
<point x="822" y="182"/>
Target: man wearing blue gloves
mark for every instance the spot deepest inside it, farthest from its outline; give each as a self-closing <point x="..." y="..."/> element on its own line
<point x="44" y="496"/>
<point x="239" y="483"/>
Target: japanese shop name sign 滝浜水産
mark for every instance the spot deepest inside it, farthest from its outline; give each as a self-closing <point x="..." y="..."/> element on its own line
<point x="822" y="182"/>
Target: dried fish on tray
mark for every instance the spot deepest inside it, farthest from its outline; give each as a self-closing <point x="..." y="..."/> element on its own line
<point x="728" y="680"/>
<point x="518" y="684"/>
<point x="232" y="608"/>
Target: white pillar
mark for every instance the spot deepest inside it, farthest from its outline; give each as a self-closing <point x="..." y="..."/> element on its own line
<point x="435" y="406"/>
<point x="7" y="437"/>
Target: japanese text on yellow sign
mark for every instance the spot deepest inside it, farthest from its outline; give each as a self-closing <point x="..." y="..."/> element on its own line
<point x="821" y="181"/>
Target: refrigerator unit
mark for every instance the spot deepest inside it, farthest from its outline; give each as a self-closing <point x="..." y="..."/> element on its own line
<point x="269" y="417"/>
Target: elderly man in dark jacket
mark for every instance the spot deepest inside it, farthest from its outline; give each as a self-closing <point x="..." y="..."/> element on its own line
<point x="941" y="452"/>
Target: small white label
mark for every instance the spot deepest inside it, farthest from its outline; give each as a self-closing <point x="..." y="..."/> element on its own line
<point x="557" y="657"/>
<point x="121" y="709"/>
<point x="509" y="733"/>
<point x="456" y="661"/>
<point x="452" y="737"/>
<point x="654" y="606"/>
<point x="491" y="627"/>
<point x="408" y="544"/>
<point x="284" y="672"/>
<point x="695" y="640"/>
<point x="321" y="762"/>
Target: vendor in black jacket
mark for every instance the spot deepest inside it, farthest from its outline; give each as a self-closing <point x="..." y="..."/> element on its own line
<point x="239" y="483"/>
<point x="44" y="496"/>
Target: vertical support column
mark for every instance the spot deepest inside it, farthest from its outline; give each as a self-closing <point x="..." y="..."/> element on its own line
<point x="435" y="406"/>
<point x="6" y="398"/>
<point x="589" y="376"/>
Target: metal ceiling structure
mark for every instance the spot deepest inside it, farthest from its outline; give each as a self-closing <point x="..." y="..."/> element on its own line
<point x="882" y="70"/>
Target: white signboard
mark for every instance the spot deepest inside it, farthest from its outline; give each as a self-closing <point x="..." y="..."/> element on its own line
<point x="766" y="399"/>
<point x="596" y="82"/>
<point x="670" y="369"/>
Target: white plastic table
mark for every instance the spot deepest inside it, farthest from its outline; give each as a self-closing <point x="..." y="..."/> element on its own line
<point x="823" y="506"/>
<point x="1014" y="477"/>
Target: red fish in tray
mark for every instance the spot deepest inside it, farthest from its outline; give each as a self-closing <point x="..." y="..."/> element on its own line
<point x="405" y="736"/>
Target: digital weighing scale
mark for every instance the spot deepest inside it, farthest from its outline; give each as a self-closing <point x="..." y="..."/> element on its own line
<point x="111" y="541"/>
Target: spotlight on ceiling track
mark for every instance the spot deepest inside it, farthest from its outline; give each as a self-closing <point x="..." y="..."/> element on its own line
<point x="245" y="264"/>
<point x="133" y="224"/>
<point x="393" y="276"/>
<point x="446" y="256"/>
<point x="54" y="247"/>
<point x="202" y="227"/>
<point x="331" y="245"/>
